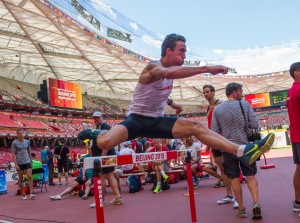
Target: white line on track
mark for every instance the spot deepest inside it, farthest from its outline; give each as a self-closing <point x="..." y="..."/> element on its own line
<point x="6" y="221"/>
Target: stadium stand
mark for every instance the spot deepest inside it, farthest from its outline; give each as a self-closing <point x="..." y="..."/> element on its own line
<point x="20" y="108"/>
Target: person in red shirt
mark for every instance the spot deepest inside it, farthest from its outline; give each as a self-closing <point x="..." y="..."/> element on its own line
<point x="293" y="105"/>
<point x="158" y="166"/>
<point x="74" y="157"/>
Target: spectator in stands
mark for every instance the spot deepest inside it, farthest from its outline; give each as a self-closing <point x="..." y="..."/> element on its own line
<point x="44" y="155"/>
<point x="166" y="143"/>
<point x="139" y="146"/>
<point x="50" y="165"/>
<point x="196" y="162"/>
<point x="293" y="104"/>
<point x="21" y="155"/>
<point x="211" y="169"/>
<point x="128" y="168"/>
<point x="35" y="165"/>
<point x="159" y="167"/>
<point x="209" y="94"/>
<point x="84" y="178"/>
<point x="72" y="161"/>
<point x="61" y="153"/>
<point x="107" y="173"/>
<point x="146" y="112"/>
<point x="229" y="121"/>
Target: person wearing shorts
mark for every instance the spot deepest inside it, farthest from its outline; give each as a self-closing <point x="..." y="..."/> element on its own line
<point x="145" y="115"/>
<point x="228" y="120"/>
<point x="107" y="173"/>
<point x="21" y="155"/>
<point x="84" y="178"/>
<point x="61" y="153"/>
<point x="293" y="105"/>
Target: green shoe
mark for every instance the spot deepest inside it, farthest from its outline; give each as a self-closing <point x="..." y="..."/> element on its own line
<point x="157" y="190"/>
<point x="88" y="134"/>
<point x="254" y="151"/>
<point x="166" y="177"/>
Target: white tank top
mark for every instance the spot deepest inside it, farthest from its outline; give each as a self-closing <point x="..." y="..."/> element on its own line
<point x="150" y="100"/>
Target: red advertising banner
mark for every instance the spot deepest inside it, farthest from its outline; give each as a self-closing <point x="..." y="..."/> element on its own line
<point x="65" y="94"/>
<point x="258" y="100"/>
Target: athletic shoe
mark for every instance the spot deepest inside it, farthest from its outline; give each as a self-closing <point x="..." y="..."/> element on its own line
<point x="256" y="211"/>
<point x="166" y="177"/>
<point x="85" y="197"/>
<point x="32" y="196"/>
<point x="242" y="213"/>
<point x="88" y="134"/>
<point x="60" y="184"/>
<point x="296" y="207"/>
<point x="236" y="205"/>
<point x="24" y="197"/>
<point x="56" y="197"/>
<point x="253" y="151"/>
<point x="93" y="205"/>
<point x="157" y="190"/>
<point x="226" y="200"/>
<point x="117" y="201"/>
<point x="195" y="184"/>
<point x="67" y="183"/>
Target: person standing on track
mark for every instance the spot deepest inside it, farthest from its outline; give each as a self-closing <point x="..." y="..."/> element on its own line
<point x="21" y="154"/>
<point x="293" y="105"/>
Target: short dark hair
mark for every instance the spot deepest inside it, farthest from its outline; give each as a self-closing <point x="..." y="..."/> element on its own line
<point x="294" y="66"/>
<point x="20" y="130"/>
<point x="33" y="155"/>
<point x="170" y="42"/>
<point x="232" y="87"/>
<point x="212" y="88"/>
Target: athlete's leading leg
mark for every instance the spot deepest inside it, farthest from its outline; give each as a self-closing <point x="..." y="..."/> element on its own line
<point x="247" y="153"/>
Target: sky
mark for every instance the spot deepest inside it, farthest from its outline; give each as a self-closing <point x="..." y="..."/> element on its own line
<point x="217" y="24"/>
<point x="253" y="37"/>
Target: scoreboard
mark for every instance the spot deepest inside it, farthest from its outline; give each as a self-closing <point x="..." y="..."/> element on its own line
<point x="274" y="98"/>
<point x="278" y="97"/>
<point x="258" y="100"/>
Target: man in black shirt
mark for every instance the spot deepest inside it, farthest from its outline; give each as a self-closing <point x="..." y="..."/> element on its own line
<point x="61" y="152"/>
<point x="106" y="173"/>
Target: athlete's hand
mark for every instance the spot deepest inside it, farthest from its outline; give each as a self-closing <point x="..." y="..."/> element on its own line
<point x="217" y="70"/>
<point x="178" y="109"/>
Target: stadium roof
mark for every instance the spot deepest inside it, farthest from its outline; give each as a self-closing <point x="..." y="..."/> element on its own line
<point x="67" y="40"/>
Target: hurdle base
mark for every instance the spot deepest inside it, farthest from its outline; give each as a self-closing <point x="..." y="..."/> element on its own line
<point x="268" y="166"/>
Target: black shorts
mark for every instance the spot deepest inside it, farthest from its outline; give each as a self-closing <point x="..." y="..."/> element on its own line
<point x="216" y="153"/>
<point x="80" y="181"/>
<point x="296" y="152"/>
<point x="233" y="166"/>
<point x="138" y="125"/>
<point x="63" y="164"/>
<point x="106" y="170"/>
<point x="24" y="166"/>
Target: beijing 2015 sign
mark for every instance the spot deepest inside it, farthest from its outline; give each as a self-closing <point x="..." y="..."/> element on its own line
<point x="149" y="157"/>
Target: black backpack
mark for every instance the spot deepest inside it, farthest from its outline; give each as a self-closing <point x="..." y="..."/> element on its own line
<point x="164" y="184"/>
<point x="133" y="183"/>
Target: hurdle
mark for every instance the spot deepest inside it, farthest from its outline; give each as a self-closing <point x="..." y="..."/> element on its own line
<point x="109" y="161"/>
